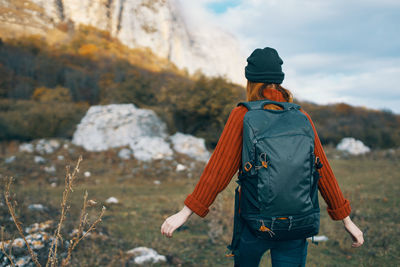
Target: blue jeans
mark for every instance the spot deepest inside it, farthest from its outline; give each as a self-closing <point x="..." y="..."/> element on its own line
<point x="290" y="253"/>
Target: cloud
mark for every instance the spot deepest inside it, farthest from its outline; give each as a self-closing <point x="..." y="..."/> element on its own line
<point x="333" y="51"/>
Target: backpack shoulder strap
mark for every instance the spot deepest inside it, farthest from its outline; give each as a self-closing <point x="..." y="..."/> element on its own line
<point x="259" y="104"/>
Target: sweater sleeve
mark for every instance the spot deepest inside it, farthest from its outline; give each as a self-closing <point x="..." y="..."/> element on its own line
<point x="222" y="165"/>
<point x="338" y="207"/>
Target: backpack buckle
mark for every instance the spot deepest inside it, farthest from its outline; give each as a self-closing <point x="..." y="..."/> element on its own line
<point x="318" y="163"/>
<point x="264" y="161"/>
<point x="247" y="166"/>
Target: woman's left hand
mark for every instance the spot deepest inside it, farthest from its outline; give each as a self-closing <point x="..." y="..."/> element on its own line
<point x="354" y="231"/>
<point x="175" y="221"/>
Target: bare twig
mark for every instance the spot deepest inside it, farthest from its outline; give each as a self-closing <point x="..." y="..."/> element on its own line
<point x="81" y="234"/>
<point x="69" y="179"/>
<point x="78" y="237"/>
<point x="17" y="222"/>
<point x="8" y="255"/>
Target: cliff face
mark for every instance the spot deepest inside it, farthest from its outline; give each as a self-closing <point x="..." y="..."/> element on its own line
<point x="157" y="24"/>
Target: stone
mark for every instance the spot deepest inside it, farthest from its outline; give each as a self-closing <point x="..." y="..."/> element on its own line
<point x="149" y="148"/>
<point x="10" y="159"/>
<point x="18" y="242"/>
<point x="39" y="159"/>
<point x="23" y="261"/>
<point x="190" y="145"/>
<point x="116" y="125"/>
<point x="144" y="255"/>
<point x="112" y="200"/>
<point x="125" y="153"/>
<point x="26" y="147"/>
<point x="50" y="169"/>
<point x="180" y="167"/>
<point x="38" y="226"/>
<point x="44" y="146"/>
<point x="36" y="207"/>
<point x="352" y="146"/>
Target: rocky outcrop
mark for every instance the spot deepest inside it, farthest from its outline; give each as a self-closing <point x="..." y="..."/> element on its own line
<point x="118" y="125"/>
<point x="157" y="24"/>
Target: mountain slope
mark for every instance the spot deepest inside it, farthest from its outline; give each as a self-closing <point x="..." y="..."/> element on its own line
<point x="156" y="24"/>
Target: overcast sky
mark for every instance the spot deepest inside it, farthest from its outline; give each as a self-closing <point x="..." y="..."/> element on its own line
<point x="333" y="50"/>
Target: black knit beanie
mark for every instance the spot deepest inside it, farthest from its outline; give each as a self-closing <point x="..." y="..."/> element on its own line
<point x="264" y="65"/>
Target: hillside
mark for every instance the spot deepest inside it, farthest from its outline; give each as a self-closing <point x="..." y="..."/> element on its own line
<point x="159" y="25"/>
<point x="86" y="66"/>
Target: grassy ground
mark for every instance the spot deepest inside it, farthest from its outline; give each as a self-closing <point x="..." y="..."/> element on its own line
<point x="371" y="183"/>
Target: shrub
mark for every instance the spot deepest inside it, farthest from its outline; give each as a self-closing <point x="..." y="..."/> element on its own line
<point x="28" y="119"/>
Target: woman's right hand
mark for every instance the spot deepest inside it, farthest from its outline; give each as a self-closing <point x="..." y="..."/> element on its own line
<point x="354" y="231"/>
<point x="175" y="221"/>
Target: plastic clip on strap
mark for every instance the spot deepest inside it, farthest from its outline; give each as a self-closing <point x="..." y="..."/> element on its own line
<point x="318" y="163"/>
<point x="264" y="162"/>
<point x="263" y="228"/>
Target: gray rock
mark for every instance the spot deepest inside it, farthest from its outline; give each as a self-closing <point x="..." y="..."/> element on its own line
<point x="44" y="146"/>
<point x="36" y="207"/>
<point x="112" y="200"/>
<point x="125" y="153"/>
<point x="39" y="159"/>
<point x="352" y="146"/>
<point x="26" y="147"/>
<point x="144" y="255"/>
<point x="10" y="159"/>
<point x="117" y="125"/>
<point x="50" y="169"/>
<point x="149" y="148"/>
<point x="190" y="145"/>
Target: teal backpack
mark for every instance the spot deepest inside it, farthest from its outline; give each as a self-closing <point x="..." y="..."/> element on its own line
<point x="277" y="195"/>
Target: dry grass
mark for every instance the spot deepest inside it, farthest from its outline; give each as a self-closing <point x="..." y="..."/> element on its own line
<point x="370" y="183"/>
<point x="52" y="259"/>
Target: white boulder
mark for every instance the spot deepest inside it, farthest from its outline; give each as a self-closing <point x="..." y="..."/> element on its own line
<point x="116" y="125"/>
<point x="144" y="255"/>
<point x="352" y="146"/>
<point x="190" y="145"/>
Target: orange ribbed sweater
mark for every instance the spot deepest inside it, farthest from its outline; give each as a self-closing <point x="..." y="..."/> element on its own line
<point x="226" y="159"/>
